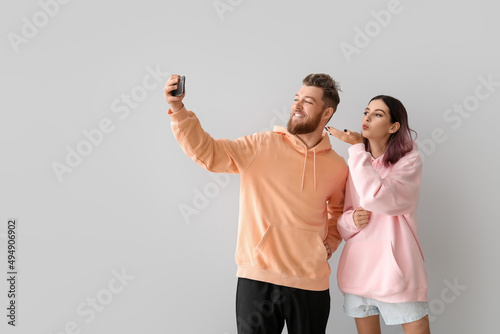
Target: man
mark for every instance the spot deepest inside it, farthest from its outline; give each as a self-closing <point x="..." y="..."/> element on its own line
<point x="292" y="192"/>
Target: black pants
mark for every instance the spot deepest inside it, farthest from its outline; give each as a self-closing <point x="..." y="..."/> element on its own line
<point x="263" y="308"/>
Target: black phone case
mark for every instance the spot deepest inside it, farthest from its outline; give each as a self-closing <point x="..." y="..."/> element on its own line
<point x="180" y="87"/>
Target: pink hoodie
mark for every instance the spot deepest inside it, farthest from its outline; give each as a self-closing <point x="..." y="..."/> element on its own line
<point x="384" y="260"/>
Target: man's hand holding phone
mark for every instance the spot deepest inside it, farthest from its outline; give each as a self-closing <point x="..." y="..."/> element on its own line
<point x="175" y="91"/>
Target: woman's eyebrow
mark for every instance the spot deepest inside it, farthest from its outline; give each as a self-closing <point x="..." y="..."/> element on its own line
<point x="375" y="110"/>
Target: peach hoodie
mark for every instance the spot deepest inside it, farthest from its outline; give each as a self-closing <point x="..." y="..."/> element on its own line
<point x="290" y="200"/>
<point x="384" y="260"/>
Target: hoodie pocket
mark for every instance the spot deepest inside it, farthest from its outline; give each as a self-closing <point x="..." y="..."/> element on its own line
<point x="370" y="265"/>
<point x="293" y="252"/>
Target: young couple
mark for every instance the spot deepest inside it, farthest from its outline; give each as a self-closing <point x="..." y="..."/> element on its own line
<point x="299" y="199"/>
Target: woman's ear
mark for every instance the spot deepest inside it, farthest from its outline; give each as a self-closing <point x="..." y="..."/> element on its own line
<point x="394" y="127"/>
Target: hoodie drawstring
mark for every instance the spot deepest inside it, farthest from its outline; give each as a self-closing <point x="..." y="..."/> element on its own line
<point x="314" y="165"/>
<point x="304" y="170"/>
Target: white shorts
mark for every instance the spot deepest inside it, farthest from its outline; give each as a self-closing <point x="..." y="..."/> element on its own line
<point x="393" y="313"/>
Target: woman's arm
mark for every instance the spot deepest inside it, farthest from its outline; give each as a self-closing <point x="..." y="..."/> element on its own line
<point x="345" y="224"/>
<point x="394" y="195"/>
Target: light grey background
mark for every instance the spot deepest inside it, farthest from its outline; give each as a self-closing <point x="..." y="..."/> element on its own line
<point x="119" y="210"/>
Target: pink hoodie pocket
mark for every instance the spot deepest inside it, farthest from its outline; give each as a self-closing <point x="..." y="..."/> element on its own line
<point x="370" y="266"/>
<point x="293" y="252"/>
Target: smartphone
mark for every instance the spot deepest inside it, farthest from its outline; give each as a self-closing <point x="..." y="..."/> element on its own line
<point x="180" y="87"/>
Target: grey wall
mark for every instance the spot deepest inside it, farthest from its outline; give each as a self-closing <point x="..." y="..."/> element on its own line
<point x="103" y="245"/>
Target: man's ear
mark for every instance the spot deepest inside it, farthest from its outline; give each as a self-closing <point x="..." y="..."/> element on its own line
<point x="394" y="127"/>
<point x="328" y="112"/>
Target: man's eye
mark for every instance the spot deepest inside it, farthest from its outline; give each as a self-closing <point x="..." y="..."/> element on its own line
<point x="309" y="102"/>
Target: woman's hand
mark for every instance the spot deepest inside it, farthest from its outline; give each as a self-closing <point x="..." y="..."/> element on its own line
<point x="361" y="217"/>
<point x="347" y="136"/>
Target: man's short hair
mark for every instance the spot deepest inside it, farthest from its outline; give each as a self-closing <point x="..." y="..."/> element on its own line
<point x="330" y="88"/>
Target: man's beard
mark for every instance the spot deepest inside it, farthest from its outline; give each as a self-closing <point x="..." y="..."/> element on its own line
<point x="303" y="127"/>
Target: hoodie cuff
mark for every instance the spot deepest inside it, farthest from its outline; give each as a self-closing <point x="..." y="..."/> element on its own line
<point x="179" y="115"/>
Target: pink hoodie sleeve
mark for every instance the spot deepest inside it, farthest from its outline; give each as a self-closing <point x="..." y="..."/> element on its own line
<point x="215" y="155"/>
<point x="335" y="208"/>
<point x="345" y="224"/>
<point x="394" y="195"/>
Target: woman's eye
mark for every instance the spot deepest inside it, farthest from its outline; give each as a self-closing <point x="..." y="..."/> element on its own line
<point x="365" y="113"/>
<point x="378" y="115"/>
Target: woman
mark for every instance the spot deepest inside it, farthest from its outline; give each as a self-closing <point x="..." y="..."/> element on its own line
<point x="381" y="269"/>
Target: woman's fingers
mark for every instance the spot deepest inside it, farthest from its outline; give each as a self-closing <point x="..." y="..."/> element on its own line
<point x="350" y="137"/>
<point x="361" y="217"/>
<point x="336" y="133"/>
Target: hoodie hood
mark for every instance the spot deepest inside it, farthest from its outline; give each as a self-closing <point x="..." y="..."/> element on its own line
<point x="323" y="146"/>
